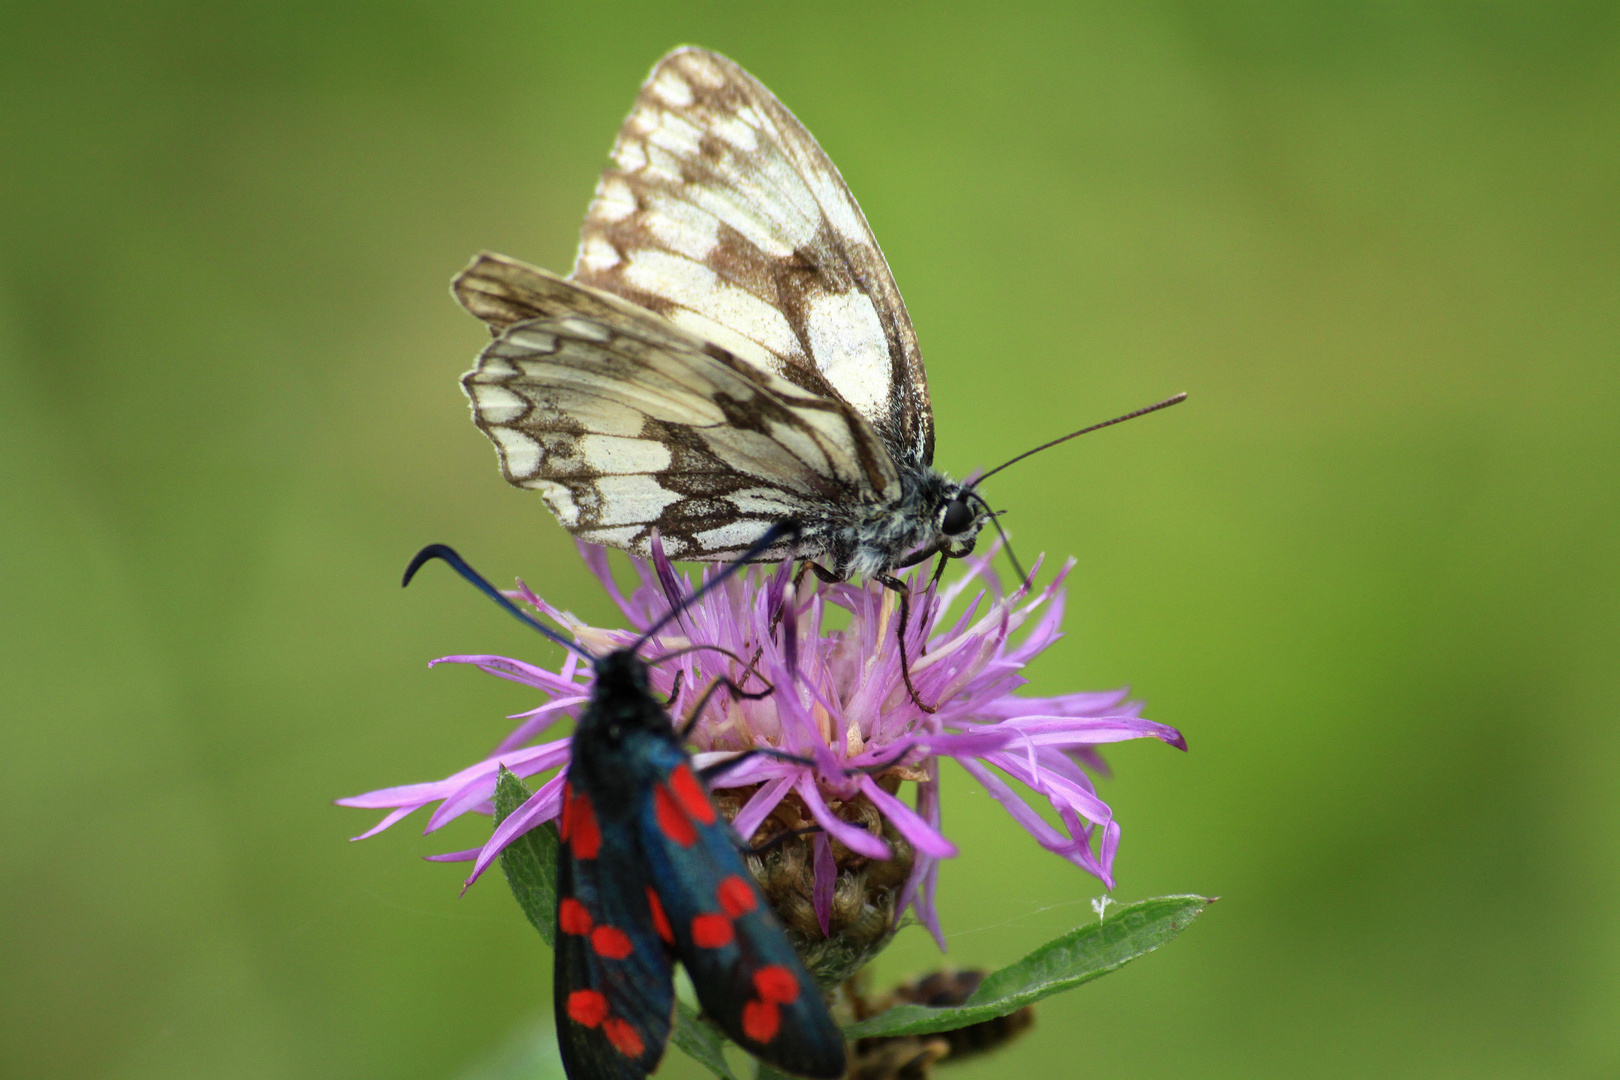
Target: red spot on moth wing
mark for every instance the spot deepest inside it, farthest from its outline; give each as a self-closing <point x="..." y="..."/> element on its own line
<point x="694" y="800"/>
<point x="572" y="918"/>
<point x="563" y="821"/>
<point x="711" y="931"/>
<point x="587" y="1007"/>
<point x="660" y="920"/>
<point x="586" y="840"/>
<point x="736" y="896"/>
<point x="761" y="1020"/>
<point x="623" y="1037"/>
<point x="611" y="942"/>
<point x="776" y="983"/>
<point x="672" y="819"/>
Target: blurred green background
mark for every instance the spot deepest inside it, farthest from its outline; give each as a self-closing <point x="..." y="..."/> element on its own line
<point x="1369" y="569"/>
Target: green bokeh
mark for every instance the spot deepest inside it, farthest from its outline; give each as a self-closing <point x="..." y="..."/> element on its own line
<point x="1369" y="569"/>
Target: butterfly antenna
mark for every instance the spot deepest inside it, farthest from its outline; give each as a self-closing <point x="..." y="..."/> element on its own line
<point x="772" y="537"/>
<point x="1006" y="544"/>
<point x="1155" y="407"/>
<point x="446" y="553"/>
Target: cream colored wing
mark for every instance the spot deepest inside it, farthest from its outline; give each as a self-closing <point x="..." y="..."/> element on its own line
<point x="722" y="214"/>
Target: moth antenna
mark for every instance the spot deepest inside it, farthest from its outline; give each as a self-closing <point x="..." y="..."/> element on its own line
<point x="772" y="537"/>
<point x="446" y="553"/>
<point x="1155" y="407"/>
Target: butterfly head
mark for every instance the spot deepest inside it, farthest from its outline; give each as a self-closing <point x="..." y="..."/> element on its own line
<point x="962" y="513"/>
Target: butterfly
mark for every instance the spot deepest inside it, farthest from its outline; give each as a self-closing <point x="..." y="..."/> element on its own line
<point x="649" y="873"/>
<point x="730" y="353"/>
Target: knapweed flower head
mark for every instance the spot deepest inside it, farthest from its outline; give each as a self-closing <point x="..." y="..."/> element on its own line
<point x="844" y="855"/>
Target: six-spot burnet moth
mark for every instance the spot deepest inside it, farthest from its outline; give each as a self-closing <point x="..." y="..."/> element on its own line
<point x="650" y="873"/>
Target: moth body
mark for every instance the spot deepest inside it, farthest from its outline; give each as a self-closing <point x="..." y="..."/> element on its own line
<point x="649" y="873"/>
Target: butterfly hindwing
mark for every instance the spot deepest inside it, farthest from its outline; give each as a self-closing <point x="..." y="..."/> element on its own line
<point x="747" y="976"/>
<point x="613" y="986"/>
<point x="720" y="212"/>
<point x="625" y="423"/>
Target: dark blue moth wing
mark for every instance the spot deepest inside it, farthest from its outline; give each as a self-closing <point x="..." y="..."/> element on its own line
<point x="614" y="976"/>
<point x="747" y="976"/>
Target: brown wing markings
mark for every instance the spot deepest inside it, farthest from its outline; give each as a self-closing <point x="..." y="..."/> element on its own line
<point x="503" y="291"/>
<point x="719" y="91"/>
<point x="704" y="486"/>
<point x="758" y="412"/>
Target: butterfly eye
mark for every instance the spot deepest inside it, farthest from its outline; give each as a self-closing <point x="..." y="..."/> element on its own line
<point x="957" y="518"/>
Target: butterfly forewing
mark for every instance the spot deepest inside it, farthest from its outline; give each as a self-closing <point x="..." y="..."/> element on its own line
<point x="626" y="423"/>
<point x="722" y="253"/>
<point x="613" y="988"/>
<point x="720" y="212"/>
<point x="748" y="978"/>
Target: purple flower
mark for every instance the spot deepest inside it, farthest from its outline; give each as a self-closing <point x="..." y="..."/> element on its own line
<point x="839" y="701"/>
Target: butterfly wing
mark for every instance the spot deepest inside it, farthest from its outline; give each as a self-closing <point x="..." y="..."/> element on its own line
<point x="720" y="212"/>
<point x="626" y="423"/>
<point x="746" y="974"/>
<point x="614" y="979"/>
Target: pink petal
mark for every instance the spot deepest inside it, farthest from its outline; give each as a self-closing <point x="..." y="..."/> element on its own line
<point x="537" y="720"/>
<point x="924" y="905"/>
<point x="856" y="839"/>
<point x="481" y="787"/>
<point x="921" y="835"/>
<point x="392" y="817"/>
<point x="1074" y="731"/>
<point x="515" y="671"/>
<point x="542" y="806"/>
<point x="826" y="878"/>
<point x="1056" y="789"/>
<point x="760" y="804"/>
<point x="467" y="855"/>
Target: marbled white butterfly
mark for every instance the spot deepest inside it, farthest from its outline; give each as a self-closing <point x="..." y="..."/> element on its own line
<point x="729" y="353"/>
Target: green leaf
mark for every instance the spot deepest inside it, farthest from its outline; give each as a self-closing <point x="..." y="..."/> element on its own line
<point x="701" y="1040"/>
<point x="530" y="861"/>
<point x="1083" y="954"/>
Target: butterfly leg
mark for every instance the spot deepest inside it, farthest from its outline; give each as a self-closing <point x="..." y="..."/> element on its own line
<point x="825" y="576"/>
<point x="675" y="689"/>
<point x="945" y="555"/>
<point x="889" y="581"/>
<point x="709" y="692"/>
